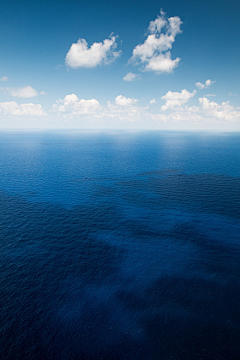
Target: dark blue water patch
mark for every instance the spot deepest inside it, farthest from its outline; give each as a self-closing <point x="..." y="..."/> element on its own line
<point x="89" y="283"/>
<point x="121" y="246"/>
<point x="204" y="192"/>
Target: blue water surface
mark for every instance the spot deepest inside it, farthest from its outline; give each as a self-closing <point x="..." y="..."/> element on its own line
<point x="121" y="245"/>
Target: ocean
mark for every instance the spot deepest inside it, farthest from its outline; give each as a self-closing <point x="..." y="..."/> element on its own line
<point x="119" y="245"/>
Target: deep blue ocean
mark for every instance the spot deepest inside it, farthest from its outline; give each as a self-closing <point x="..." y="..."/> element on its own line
<point x="121" y="245"/>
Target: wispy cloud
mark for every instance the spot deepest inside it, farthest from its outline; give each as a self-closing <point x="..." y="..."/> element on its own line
<point x="205" y="85"/>
<point x="154" y="54"/>
<point x="131" y="77"/>
<point x="23" y="92"/>
<point x="153" y="101"/>
<point x="4" y="78"/>
<point x="80" y="55"/>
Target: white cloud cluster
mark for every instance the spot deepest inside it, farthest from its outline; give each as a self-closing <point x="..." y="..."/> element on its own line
<point x="224" y="111"/>
<point x="176" y="99"/>
<point x="205" y="85"/>
<point x="23" y="92"/>
<point x="131" y="77"/>
<point x="12" y="108"/>
<point x="80" y="55"/>
<point x="205" y="112"/>
<point x="154" y="53"/>
<point x="4" y="78"/>
<point x="123" y="101"/>
<point x="71" y="104"/>
<point x="127" y="110"/>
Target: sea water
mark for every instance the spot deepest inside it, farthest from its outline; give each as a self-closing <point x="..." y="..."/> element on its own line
<point x="119" y="245"/>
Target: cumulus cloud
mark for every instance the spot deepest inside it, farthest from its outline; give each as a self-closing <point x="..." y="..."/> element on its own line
<point x="223" y="111"/>
<point x="207" y="111"/>
<point x="153" y="101"/>
<point x="205" y="85"/>
<point x="131" y="77"/>
<point x="12" y="108"/>
<point x="124" y="111"/>
<point x="123" y="101"/>
<point x="4" y="78"/>
<point x="176" y="99"/>
<point x="80" y="55"/>
<point x="154" y="54"/>
<point x="72" y="104"/>
<point x="24" y="92"/>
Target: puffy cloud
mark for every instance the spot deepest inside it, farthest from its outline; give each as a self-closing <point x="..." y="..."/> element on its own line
<point x="24" y="92"/>
<point x="204" y="86"/>
<point x="131" y="77"/>
<point x="4" y="78"/>
<point x="153" y="101"/>
<point x="71" y="104"/>
<point x="80" y="55"/>
<point x="43" y="93"/>
<point x="123" y="101"/>
<point x="176" y="99"/>
<point x="224" y="111"/>
<point x="12" y="108"/>
<point x="154" y="53"/>
<point x="206" y="112"/>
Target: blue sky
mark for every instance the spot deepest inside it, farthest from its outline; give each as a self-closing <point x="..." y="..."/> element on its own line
<point x="120" y="64"/>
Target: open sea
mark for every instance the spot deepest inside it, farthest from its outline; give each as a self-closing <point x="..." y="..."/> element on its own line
<point x="119" y="245"/>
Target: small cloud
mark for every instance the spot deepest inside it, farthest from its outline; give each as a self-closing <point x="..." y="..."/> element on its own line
<point x="202" y="86"/>
<point x="154" y="54"/>
<point x="176" y="99"/>
<point x="71" y="104"/>
<point x="23" y="92"/>
<point x="153" y="101"/>
<point x="4" y="78"/>
<point x="211" y="95"/>
<point x="80" y="55"/>
<point x="123" y="101"/>
<point x="43" y="93"/>
<point x="231" y="94"/>
<point x="131" y="77"/>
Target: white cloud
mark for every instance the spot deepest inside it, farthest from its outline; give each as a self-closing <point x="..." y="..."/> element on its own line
<point x="43" y="93"/>
<point x="176" y="99"/>
<point x="71" y="104"/>
<point x="123" y="101"/>
<point x="231" y="94"/>
<point x="12" y="108"/>
<point x="154" y="53"/>
<point x="131" y="77"/>
<point x="153" y="101"/>
<point x="205" y="85"/>
<point x="224" y="111"/>
<point x="127" y="112"/>
<point x="4" y="78"/>
<point x="206" y="112"/>
<point x="24" y="92"/>
<point x="80" y="55"/>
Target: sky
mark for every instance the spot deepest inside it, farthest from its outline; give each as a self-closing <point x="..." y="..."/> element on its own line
<point x="164" y="65"/>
